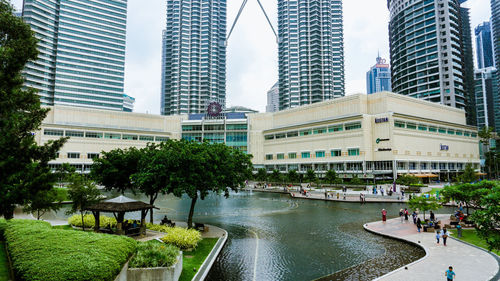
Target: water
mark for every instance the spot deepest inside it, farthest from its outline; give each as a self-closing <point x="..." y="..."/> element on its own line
<point x="275" y="237"/>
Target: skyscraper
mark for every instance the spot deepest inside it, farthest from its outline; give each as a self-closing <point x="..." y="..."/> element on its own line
<point x="468" y="64"/>
<point x="426" y="50"/>
<point x="194" y="71"/>
<point x="273" y="99"/>
<point x="310" y="51"/>
<point x="487" y="98"/>
<point x="378" y="79"/>
<point x="484" y="45"/>
<point x="81" y="59"/>
<point x="495" y="24"/>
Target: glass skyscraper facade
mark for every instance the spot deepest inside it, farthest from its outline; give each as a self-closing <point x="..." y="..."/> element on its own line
<point x="194" y="64"/>
<point x="487" y="98"/>
<point x="310" y="51"/>
<point x="378" y="79"/>
<point x="484" y="45"/>
<point x="495" y="24"/>
<point x="427" y="56"/>
<point x="81" y="59"/>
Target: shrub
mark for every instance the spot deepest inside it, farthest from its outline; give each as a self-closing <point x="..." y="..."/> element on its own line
<point x="39" y="252"/>
<point x="178" y="236"/>
<point x="3" y="225"/>
<point x="154" y="254"/>
<point x="62" y="193"/>
<point x="104" y="221"/>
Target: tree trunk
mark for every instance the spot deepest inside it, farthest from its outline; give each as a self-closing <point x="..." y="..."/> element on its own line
<point x="8" y="213"/>
<point x="152" y="199"/>
<point x="191" y="211"/>
<point x="83" y="223"/>
<point x="424" y="215"/>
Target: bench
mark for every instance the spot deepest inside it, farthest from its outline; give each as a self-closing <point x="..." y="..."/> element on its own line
<point x="133" y="231"/>
<point x="200" y="226"/>
<point x="167" y="222"/>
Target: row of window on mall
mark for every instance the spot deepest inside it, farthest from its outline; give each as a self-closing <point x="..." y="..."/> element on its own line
<point x="315" y="131"/>
<point x="317" y="154"/>
<point x="215" y="127"/>
<point x="433" y="129"/>
<point x="100" y="135"/>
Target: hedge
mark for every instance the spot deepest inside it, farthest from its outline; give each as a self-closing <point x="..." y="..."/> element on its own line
<point x="154" y="254"/>
<point x="39" y="252"/>
<point x="3" y="225"/>
<point x="178" y="236"/>
<point x="89" y="220"/>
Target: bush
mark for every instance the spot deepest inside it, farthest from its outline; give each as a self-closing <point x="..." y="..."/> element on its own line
<point x="104" y="221"/>
<point x="39" y="252"/>
<point x="3" y="225"/>
<point x="62" y="194"/>
<point x="178" y="236"/>
<point x="154" y="254"/>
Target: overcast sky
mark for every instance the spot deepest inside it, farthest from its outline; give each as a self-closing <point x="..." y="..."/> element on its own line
<point x="252" y="55"/>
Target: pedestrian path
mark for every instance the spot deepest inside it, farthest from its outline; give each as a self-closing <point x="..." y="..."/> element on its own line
<point x="469" y="263"/>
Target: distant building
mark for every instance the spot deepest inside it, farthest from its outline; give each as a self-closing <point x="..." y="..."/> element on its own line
<point x="128" y="103"/>
<point x="495" y="26"/>
<point x="378" y="79"/>
<point x="81" y="60"/>
<point x="273" y="99"/>
<point x="487" y="98"/>
<point x="484" y="45"/>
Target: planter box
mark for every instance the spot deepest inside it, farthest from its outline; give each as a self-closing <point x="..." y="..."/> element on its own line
<point x="153" y="273"/>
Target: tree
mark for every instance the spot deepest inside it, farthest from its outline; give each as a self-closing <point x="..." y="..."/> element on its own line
<point x="42" y="202"/>
<point x="485" y="135"/>
<point x="115" y="168"/>
<point x="331" y="177"/>
<point x="208" y="167"/>
<point x="467" y="193"/>
<point x="487" y="219"/>
<point x="469" y="175"/>
<point x="23" y="164"/>
<point x="310" y="175"/>
<point x="83" y="193"/>
<point x="355" y="180"/>
<point x="292" y="176"/>
<point x="424" y="204"/>
<point x="276" y="176"/>
<point x="261" y="174"/>
<point x="155" y="166"/>
<point x="407" y="180"/>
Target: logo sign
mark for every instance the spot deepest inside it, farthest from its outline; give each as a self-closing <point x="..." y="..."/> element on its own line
<point x="214" y="109"/>
<point x="379" y="140"/>
<point x="384" y="149"/>
<point x="382" y="120"/>
<point x="444" y="147"/>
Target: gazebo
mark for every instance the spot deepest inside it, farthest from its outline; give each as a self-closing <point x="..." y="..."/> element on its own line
<point x="119" y="206"/>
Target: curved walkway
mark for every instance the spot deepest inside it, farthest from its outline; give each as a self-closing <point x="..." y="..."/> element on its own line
<point x="469" y="263"/>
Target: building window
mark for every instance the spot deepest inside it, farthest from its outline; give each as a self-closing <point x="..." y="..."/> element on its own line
<point x="399" y="124"/>
<point x="336" y="152"/>
<point x="473" y="135"/>
<point x="319" y="131"/>
<point x="320" y="154"/>
<point x="466" y="134"/>
<point x="336" y="128"/>
<point x="236" y="127"/>
<point x="280" y="156"/>
<point x="92" y="155"/>
<point x="112" y="136"/>
<point x="292" y="134"/>
<point x="94" y="135"/>
<point x="442" y="130"/>
<point x="306" y="155"/>
<point x="305" y="132"/>
<point x="187" y="128"/>
<point x="146" y="138"/>
<point x="73" y="155"/>
<point x="292" y="155"/>
<point x="353" y="126"/>
<point x="353" y="151"/>
<point x="432" y="129"/>
<point x="280" y="136"/>
<point x="50" y="132"/>
<point x="269" y="157"/>
<point x="269" y="137"/>
<point x="216" y="127"/>
<point x="75" y="134"/>
<point x="411" y="126"/>
<point x="451" y="132"/>
<point x="422" y="128"/>
<point x="129" y="137"/>
<point x="157" y="138"/>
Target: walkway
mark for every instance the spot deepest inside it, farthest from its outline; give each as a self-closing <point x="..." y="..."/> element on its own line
<point x="469" y="263"/>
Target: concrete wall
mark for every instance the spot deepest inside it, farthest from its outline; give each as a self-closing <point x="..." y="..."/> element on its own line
<point x="152" y="274"/>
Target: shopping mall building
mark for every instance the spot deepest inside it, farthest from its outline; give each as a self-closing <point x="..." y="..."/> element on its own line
<point x="370" y="136"/>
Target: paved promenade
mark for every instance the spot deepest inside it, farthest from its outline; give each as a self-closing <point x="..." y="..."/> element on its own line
<point x="469" y="263"/>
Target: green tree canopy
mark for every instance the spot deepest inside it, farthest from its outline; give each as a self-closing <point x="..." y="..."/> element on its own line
<point x="467" y="193"/>
<point x="261" y="174"/>
<point x="407" y="180"/>
<point x="83" y="193"/>
<point x="276" y="176"/>
<point x="311" y="176"/>
<point x="469" y="175"/>
<point x="292" y="176"/>
<point x="424" y="204"/>
<point x="487" y="219"/>
<point x="331" y="177"/>
<point x="42" y="202"/>
<point x="23" y="164"/>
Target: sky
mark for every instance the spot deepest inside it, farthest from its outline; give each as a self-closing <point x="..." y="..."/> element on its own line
<point x="252" y="52"/>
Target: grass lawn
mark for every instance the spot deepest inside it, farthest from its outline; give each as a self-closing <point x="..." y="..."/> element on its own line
<point x="195" y="258"/>
<point x="434" y="189"/>
<point x="470" y="236"/>
<point x="66" y="227"/>
<point x="4" y="265"/>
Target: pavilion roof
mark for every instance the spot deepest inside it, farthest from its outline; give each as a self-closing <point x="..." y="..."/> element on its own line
<point x="120" y="204"/>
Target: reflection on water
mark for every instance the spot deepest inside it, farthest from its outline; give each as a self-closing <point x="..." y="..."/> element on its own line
<point x="275" y="237"/>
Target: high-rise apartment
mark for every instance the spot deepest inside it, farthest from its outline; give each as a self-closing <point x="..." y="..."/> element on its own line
<point x="310" y="51"/>
<point x="194" y="72"/>
<point x="495" y="24"/>
<point x="484" y="45"/>
<point x="487" y="98"/>
<point x="273" y="99"/>
<point x="426" y="50"/>
<point x="468" y="64"/>
<point x="378" y="79"/>
<point x="81" y="57"/>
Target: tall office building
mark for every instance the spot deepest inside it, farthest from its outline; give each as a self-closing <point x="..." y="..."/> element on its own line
<point x="487" y="98"/>
<point x="484" y="45"/>
<point x="273" y="99"/>
<point x="468" y="64"/>
<point x="195" y="56"/>
<point x="378" y="79"/>
<point x="81" y="59"/>
<point x="426" y="50"/>
<point x="310" y="51"/>
<point x="495" y="24"/>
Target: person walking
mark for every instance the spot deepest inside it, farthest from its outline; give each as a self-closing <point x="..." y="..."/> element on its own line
<point x="384" y="215"/>
<point x="433" y="217"/>
<point x="450" y="275"/>
<point x="406" y="214"/>
<point x="414" y="216"/>
<point x="419" y="224"/>
<point x="437" y="236"/>
<point x="401" y="214"/>
<point x="459" y="231"/>
<point x="444" y="235"/>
